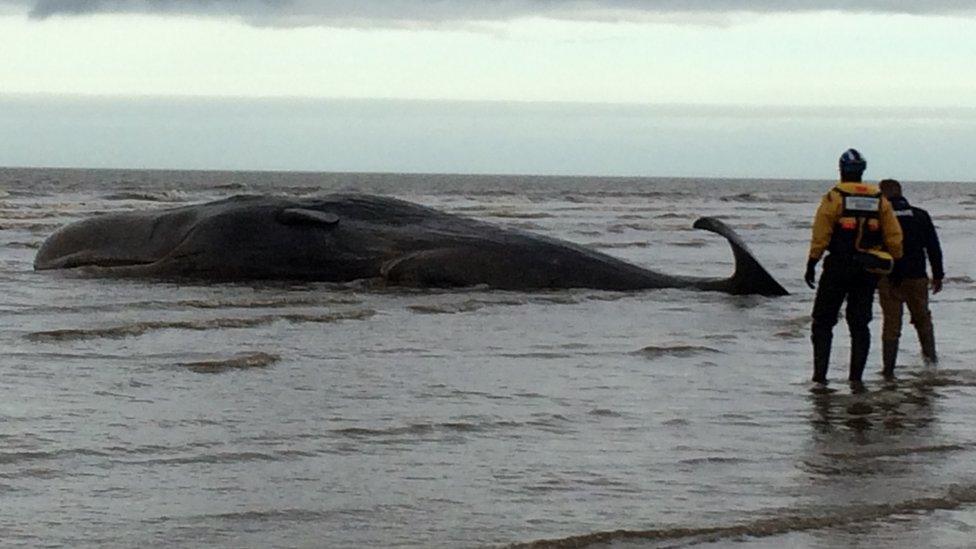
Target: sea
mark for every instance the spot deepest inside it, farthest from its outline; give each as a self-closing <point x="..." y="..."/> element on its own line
<point x="145" y="413"/>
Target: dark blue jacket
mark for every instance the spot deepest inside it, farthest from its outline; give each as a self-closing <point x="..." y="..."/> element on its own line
<point x="919" y="238"/>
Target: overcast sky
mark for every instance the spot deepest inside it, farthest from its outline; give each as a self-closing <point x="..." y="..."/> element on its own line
<point x="814" y="53"/>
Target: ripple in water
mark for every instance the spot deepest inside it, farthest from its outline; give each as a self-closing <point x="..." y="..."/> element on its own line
<point x="239" y="362"/>
<point x="140" y="328"/>
<point x="783" y="522"/>
<point x="681" y="351"/>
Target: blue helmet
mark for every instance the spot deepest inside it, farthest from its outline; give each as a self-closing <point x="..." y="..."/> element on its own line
<point x="852" y="161"/>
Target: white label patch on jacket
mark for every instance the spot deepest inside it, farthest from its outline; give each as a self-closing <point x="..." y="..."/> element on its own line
<point x="861" y="203"/>
<point x="904" y="213"/>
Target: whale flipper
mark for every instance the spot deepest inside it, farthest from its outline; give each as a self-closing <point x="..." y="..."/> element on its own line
<point x="749" y="277"/>
<point x="449" y="267"/>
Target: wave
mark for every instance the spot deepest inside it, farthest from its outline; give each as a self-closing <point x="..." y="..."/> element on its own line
<point x="140" y="328"/>
<point x="239" y="362"/>
<point x="604" y="412"/>
<point x="957" y="217"/>
<point x="785" y="522"/>
<point x="215" y="303"/>
<point x="900" y="452"/>
<point x="618" y="245"/>
<point x="680" y="351"/>
<point x="794" y="327"/>
<point x="744" y="197"/>
<point x="711" y="460"/>
<point x="420" y="429"/>
<point x="23" y="245"/>
<point x="511" y="214"/>
<point x="35" y="455"/>
<point x="148" y="196"/>
<point x="33" y="228"/>
<point x="537" y="354"/>
<point x="447" y="308"/>
<point x="466" y="306"/>
<point x="221" y="457"/>
<point x="619" y="228"/>
<point x="28" y="214"/>
<point x="305" y="516"/>
<point x="690" y="244"/>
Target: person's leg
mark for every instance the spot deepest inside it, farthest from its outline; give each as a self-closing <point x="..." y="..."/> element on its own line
<point x="860" y="300"/>
<point x="826" y="307"/>
<point x="891" y="314"/>
<point x="916" y="293"/>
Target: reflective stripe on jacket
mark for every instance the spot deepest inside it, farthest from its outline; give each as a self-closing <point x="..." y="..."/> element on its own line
<point x="855" y="216"/>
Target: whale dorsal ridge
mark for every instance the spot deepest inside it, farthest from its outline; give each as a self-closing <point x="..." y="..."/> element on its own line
<point x="301" y="216"/>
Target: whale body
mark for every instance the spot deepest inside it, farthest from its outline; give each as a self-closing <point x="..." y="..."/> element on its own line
<point x="345" y="237"/>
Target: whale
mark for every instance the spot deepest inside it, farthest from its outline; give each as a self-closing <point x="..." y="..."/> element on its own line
<point x="348" y="237"/>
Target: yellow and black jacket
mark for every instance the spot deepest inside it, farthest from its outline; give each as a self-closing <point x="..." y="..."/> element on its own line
<point x="855" y="217"/>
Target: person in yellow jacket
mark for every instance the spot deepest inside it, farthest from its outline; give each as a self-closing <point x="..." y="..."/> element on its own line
<point x="857" y="227"/>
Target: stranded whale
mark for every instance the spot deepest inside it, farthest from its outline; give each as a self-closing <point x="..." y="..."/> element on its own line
<point x="344" y="237"/>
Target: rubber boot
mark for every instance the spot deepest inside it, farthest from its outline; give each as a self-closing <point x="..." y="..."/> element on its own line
<point x="926" y="338"/>
<point x="860" y="347"/>
<point x="821" y="358"/>
<point x="889" y="355"/>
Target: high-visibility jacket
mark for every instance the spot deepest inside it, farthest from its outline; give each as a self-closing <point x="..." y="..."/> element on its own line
<point x="855" y="217"/>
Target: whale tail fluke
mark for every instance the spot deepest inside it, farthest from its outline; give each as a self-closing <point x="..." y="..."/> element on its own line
<point x="749" y="277"/>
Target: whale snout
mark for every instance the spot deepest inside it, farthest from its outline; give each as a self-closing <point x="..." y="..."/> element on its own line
<point x="110" y="240"/>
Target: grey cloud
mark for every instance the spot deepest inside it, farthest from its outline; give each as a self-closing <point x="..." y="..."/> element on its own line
<point x="426" y="12"/>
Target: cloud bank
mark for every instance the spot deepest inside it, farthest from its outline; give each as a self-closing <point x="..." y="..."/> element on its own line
<point x="427" y="12"/>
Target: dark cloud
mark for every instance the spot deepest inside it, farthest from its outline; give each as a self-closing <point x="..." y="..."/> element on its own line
<point x="406" y="12"/>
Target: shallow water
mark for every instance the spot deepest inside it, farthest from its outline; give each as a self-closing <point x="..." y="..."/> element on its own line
<point x="308" y="415"/>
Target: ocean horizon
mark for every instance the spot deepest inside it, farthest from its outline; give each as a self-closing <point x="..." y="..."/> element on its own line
<point x="479" y="137"/>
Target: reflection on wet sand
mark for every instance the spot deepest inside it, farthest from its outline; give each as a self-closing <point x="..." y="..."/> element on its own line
<point x="878" y="448"/>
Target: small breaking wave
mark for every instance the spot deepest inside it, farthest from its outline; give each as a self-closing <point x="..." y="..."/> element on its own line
<point x="785" y="522"/>
<point x="424" y="429"/>
<point x="31" y="227"/>
<point x="466" y="306"/>
<point x="793" y="328"/>
<point x="24" y="245"/>
<point x="619" y="228"/>
<point x="957" y="217"/>
<point x="27" y="214"/>
<point x="900" y="452"/>
<point x="220" y="457"/>
<point x="31" y="455"/>
<point x="447" y="308"/>
<point x="619" y="245"/>
<point x="713" y="460"/>
<point x="537" y="354"/>
<point x="745" y="197"/>
<point x="148" y="196"/>
<point x="215" y="303"/>
<point x="679" y="351"/>
<point x="604" y="412"/>
<point x="511" y="214"/>
<point x="690" y="244"/>
<point x="239" y="362"/>
<point x="140" y="328"/>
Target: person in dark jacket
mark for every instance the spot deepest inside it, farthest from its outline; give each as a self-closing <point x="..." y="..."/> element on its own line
<point x="857" y="228"/>
<point x="908" y="283"/>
